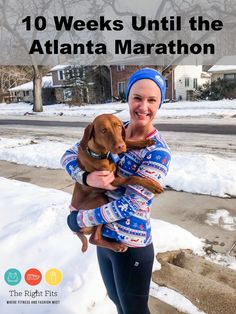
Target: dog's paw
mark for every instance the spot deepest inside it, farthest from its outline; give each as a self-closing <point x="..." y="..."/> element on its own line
<point x="120" y="247"/>
<point x="156" y="188"/>
<point x="150" y="142"/>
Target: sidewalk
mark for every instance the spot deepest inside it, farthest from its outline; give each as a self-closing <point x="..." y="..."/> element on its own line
<point x="183" y="209"/>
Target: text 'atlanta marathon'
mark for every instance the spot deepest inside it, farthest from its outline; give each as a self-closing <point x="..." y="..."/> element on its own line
<point x="121" y="47"/>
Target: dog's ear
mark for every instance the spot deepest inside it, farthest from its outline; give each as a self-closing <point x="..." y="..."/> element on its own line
<point x="88" y="134"/>
<point x="123" y="132"/>
<point x="89" y="131"/>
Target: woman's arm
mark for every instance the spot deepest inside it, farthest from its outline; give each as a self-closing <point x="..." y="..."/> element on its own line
<point x="155" y="166"/>
<point x="70" y="164"/>
<point x="99" y="179"/>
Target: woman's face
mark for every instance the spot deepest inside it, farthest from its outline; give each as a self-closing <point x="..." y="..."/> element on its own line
<point x="144" y="101"/>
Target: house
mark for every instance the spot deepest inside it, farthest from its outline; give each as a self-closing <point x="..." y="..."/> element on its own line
<point x="5" y="97"/>
<point x="99" y="84"/>
<point x="119" y="78"/>
<point x="225" y="69"/>
<point x="185" y="79"/>
<point x="181" y="80"/>
<point x="69" y="84"/>
<point x="60" y="84"/>
<point x="78" y="85"/>
<point x="24" y="92"/>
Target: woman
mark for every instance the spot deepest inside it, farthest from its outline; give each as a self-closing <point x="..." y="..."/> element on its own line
<point x="126" y="218"/>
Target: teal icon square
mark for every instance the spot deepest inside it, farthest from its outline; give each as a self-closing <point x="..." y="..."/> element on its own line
<point x="12" y="276"/>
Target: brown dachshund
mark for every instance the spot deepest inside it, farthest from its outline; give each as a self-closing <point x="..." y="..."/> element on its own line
<point x="106" y="134"/>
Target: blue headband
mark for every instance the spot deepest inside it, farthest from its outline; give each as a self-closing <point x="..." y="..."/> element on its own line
<point x="151" y="74"/>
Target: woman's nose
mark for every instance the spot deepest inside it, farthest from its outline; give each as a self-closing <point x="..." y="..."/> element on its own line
<point x="144" y="104"/>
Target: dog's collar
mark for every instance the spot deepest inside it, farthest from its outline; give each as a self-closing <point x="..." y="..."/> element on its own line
<point x="97" y="156"/>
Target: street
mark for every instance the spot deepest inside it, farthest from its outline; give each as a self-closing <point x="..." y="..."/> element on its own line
<point x="225" y="129"/>
<point x="184" y="209"/>
<point x="182" y="135"/>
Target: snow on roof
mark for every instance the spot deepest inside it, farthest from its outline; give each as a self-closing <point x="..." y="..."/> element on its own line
<point x="205" y="75"/>
<point x="225" y="64"/>
<point x="46" y="83"/>
<point x="59" y="67"/>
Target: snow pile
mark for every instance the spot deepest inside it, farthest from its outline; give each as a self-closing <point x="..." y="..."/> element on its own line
<point x="32" y="152"/>
<point x="204" y="174"/>
<point x="214" y="109"/>
<point x="33" y="225"/>
<point x="181" y="109"/>
<point x="195" y="173"/>
<point x="222" y="218"/>
<point x="89" y="111"/>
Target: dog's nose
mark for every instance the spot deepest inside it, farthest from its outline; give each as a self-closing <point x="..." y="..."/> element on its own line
<point x="121" y="147"/>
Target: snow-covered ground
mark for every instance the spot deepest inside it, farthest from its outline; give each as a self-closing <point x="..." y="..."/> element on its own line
<point x="34" y="228"/>
<point x="202" y="173"/>
<point x="222" y="218"/>
<point x="214" y="109"/>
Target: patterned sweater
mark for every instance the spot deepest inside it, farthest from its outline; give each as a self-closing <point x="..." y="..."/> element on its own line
<point x="126" y="217"/>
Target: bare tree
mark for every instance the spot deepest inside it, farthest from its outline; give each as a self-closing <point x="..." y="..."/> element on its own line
<point x="11" y="15"/>
<point x="211" y="9"/>
<point x="11" y="20"/>
<point x="11" y="76"/>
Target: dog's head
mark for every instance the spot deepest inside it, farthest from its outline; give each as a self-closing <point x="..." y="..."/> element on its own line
<point x="107" y="132"/>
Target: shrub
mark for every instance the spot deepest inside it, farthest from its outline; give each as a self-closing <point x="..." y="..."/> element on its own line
<point x="217" y="90"/>
<point x="122" y="97"/>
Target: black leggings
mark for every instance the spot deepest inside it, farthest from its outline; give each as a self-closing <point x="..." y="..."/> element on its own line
<point x="127" y="277"/>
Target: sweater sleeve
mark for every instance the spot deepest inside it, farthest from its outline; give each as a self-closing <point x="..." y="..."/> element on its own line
<point x="70" y="164"/>
<point x="154" y="166"/>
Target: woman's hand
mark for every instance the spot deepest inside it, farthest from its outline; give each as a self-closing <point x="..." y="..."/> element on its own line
<point x="101" y="179"/>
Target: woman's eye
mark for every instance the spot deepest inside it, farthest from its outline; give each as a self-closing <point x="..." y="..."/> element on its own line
<point x="103" y="131"/>
<point x="152" y="100"/>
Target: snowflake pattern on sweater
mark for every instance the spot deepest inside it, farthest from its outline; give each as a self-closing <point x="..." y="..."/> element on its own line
<point x="126" y="217"/>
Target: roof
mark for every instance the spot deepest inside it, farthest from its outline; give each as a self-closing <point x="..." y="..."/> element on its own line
<point x="59" y="67"/>
<point x="205" y="75"/>
<point x="226" y="64"/>
<point x="46" y="83"/>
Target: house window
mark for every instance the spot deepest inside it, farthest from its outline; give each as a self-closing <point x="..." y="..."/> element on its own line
<point x="195" y="83"/>
<point x="26" y="93"/>
<point x="121" y="88"/>
<point x="61" y="75"/>
<point x="230" y="76"/>
<point x="186" y="81"/>
<point x="120" y="68"/>
<point x="67" y="94"/>
<point x="166" y="83"/>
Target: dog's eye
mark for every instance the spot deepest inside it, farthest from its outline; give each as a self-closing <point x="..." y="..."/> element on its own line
<point x="119" y="126"/>
<point x="104" y="131"/>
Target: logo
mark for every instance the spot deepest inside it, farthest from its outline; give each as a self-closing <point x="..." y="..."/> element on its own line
<point x="12" y="276"/>
<point x="33" y="276"/>
<point x="159" y="79"/>
<point x="53" y="276"/>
